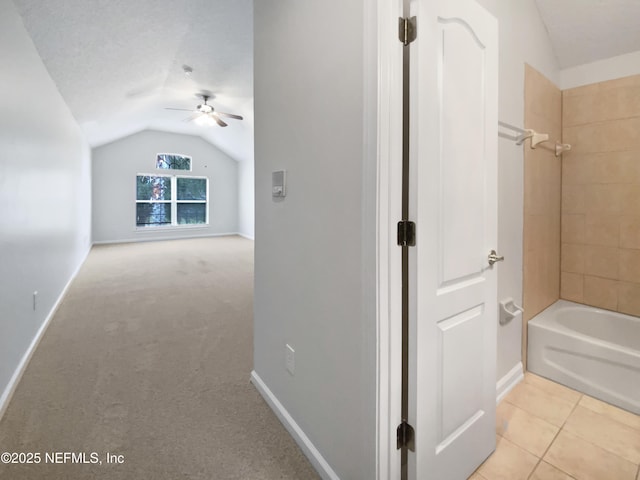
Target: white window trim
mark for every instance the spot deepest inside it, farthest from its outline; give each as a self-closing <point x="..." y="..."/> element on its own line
<point x="174" y="203"/>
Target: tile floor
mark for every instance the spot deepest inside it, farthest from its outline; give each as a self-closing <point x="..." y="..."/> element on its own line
<point x="546" y="431"/>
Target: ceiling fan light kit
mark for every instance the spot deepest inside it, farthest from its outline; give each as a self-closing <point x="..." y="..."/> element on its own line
<point x="205" y="114"/>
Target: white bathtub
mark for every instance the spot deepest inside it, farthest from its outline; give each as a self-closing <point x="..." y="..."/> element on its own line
<point x="593" y="351"/>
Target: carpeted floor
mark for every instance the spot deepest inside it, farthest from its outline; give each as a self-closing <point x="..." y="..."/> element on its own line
<point x="149" y="357"/>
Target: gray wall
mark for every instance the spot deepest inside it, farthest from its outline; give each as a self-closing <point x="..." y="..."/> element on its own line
<point x="315" y="257"/>
<point x="45" y="183"/>
<point x="523" y="38"/>
<point x="116" y="164"/>
<point x="246" y="198"/>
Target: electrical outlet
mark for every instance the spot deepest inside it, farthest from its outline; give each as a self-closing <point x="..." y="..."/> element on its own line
<point x="35" y="300"/>
<point x="290" y="359"/>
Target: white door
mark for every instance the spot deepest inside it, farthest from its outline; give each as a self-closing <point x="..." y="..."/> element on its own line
<point x="453" y="293"/>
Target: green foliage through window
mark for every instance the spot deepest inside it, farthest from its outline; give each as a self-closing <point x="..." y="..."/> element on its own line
<point x="171" y="161"/>
<point x="163" y="200"/>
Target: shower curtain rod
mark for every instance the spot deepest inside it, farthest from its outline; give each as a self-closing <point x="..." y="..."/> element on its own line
<point x="536" y="138"/>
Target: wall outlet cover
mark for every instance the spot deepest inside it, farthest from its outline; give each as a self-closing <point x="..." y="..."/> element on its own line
<point x="290" y="359"/>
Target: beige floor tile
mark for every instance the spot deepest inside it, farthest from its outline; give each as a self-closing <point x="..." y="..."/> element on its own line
<point x="586" y="461"/>
<point x="476" y="476"/>
<point x="600" y="430"/>
<point x="508" y="462"/>
<point x="544" y="471"/>
<point x="538" y="402"/>
<point x="614" y="413"/>
<point x="524" y="429"/>
<point x="552" y="388"/>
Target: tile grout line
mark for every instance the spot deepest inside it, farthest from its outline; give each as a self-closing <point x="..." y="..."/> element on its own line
<point x="554" y="439"/>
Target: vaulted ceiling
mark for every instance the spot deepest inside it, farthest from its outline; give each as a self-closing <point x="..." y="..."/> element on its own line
<point x="119" y="63"/>
<point x="583" y="31"/>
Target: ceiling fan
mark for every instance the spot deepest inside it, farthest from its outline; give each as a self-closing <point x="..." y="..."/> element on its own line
<point x="206" y="114"/>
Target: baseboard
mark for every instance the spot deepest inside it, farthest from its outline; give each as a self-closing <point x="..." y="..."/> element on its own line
<point x="22" y="366"/>
<point x="248" y="237"/>
<point x="310" y="451"/>
<point x="162" y="239"/>
<point x="509" y="381"/>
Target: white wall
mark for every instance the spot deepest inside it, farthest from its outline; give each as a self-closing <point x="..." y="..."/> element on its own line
<point x="600" y="71"/>
<point x="246" y="199"/>
<point x="45" y="184"/>
<point x="116" y="164"/>
<point x="523" y="39"/>
<point x="315" y="256"/>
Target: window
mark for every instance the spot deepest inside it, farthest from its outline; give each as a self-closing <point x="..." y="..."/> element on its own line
<point x="171" y="200"/>
<point x="173" y="161"/>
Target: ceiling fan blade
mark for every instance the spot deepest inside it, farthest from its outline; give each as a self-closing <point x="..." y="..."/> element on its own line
<point x="192" y="117"/>
<point x="180" y="109"/>
<point x="218" y="120"/>
<point x="230" y="115"/>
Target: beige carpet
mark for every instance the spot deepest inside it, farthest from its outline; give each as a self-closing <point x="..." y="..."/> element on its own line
<point x="149" y="357"/>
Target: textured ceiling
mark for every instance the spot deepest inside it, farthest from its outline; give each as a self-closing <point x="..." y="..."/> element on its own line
<point x="118" y="63"/>
<point x="583" y="31"/>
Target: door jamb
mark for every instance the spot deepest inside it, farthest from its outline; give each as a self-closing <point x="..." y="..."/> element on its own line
<point x="388" y="253"/>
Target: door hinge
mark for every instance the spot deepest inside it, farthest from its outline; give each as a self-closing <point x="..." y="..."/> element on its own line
<point x="407" y="30"/>
<point x="406" y="233"/>
<point x="406" y="436"/>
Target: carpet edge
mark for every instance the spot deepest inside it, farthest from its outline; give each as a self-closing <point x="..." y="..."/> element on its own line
<point x="308" y="448"/>
<point x="10" y="389"/>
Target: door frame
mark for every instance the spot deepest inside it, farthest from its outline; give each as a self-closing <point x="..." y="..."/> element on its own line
<point x="388" y="99"/>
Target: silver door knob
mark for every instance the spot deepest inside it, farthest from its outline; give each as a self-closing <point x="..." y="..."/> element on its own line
<point x="493" y="257"/>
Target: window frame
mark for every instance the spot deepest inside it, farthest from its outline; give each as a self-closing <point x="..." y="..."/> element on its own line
<point x="174" y="201"/>
<point x="174" y="169"/>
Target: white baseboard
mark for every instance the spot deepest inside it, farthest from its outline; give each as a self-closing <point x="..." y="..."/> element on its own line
<point x="310" y="451"/>
<point x="248" y="237"/>
<point x="24" y="362"/>
<point x="162" y="239"/>
<point x="509" y="381"/>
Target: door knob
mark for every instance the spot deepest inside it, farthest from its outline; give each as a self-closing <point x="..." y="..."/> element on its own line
<point x="493" y="257"/>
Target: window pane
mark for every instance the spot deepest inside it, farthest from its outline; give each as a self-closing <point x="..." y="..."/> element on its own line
<point x="153" y="214"/>
<point x="192" y="213"/>
<point x="153" y="188"/>
<point x="192" y="189"/>
<point x="167" y="161"/>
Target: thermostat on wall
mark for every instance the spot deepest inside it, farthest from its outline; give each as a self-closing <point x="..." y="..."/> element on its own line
<point x="278" y="183"/>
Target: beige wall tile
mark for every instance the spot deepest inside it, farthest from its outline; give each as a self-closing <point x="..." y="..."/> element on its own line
<point x="572" y="287"/>
<point x="572" y="258"/>
<point x="629" y="298"/>
<point x="606" y="433"/>
<point x="629" y="265"/>
<point x="584" y="460"/>
<point x="611" y="136"/>
<point x="605" y="199"/>
<point x="542" y="96"/>
<point x="573" y="228"/>
<point x="630" y="231"/>
<point x="630" y="199"/>
<point x="601" y="292"/>
<point x="601" y="261"/>
<point x="537" y="402"/>
<point x="602" y="230"/>
<point x="525" y="430"/>
<point x="573" y="199"/>
<point x="607" y="103"/>
<point x="544" y="471"/>
<point x="609" y="411"/>
<point x="508" y="462"/>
